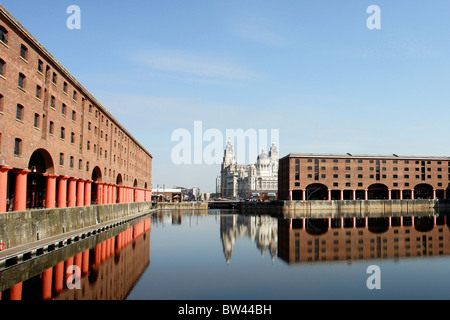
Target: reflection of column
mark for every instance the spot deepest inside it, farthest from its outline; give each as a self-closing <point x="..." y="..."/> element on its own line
<point x="85" y="261"/>
<point x="59" y="277"/>
<point x="389" y="194"/>
<point x="342" y="194"/>
<point x="69" y="262"/>
<point x="20" y="194"/>
<point x="329" y="194"/>
<point x="303" y="194"/>
<point x="62" y="191"/>
<point x="366" y="194"/>
<point x="80" y="192"/>
<point x="15" y="292"/>
<point x="354" y="194"/>
<point x="3" y="187"/>
<point x="412" y="194"/>
<point x="47" y="284"/>
<point x="50" y="195"/>
<point x="87" y="192"/>
<point x="434" y="193"/>
<point x="445" y="194"/>
<point x="71" y="192"/>
<point x="401" y="194"/>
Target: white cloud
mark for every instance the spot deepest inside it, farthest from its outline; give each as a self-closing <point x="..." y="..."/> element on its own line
<point x="194" y="67"/>
<point x="260" y="34"/>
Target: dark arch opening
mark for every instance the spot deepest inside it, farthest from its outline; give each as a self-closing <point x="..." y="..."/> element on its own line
<point x="316" y="226"/>
<point x="423" y="191"/>
<point x="316" y="191"/>
<point x="40" y="163"/>
<point x="96" y="176"/>
<point x="378" y="225"/>
<point x="378" y="191"/>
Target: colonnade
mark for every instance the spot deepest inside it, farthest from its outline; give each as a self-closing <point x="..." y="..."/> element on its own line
<point x="64" y="191"/>
<point x="366" y="194"/>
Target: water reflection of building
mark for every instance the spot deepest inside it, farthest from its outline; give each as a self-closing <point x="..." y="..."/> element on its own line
<point x="335" y="239"/>
<point x="109" y="269"/>
<point x="260" y="229"/>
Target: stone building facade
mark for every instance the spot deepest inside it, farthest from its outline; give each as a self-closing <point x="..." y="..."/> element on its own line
<point x="258" y="180"/>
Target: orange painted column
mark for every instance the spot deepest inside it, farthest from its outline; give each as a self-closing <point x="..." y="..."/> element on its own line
<point x="3" y="187"/>
<point x="47" y="277"/>
<point x="120" y="196"/>
<point x="99" y="192"/>
<point x="50" y="195"/>
<point x="105" y="193"/>
<point x="62" y="192"/>
<point x="114" y="194"/>
<point x="59" y="277"/>
<point x="72" y="192"/>
<point x="80" y="192"/>
<point x="15" y="292"/>
<point x="20" y="193"/>
<point x="87" y="192"/>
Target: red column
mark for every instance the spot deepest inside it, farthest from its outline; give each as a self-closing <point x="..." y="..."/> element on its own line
<point x="80" y="192"/>
<point x="62" y="191"/>
<point x="105" y="193"/>
<point x="72" y="192"/>
<point x="120" y="194"/>
<point x="389" y="194"/>
<point x="342" y="194"/>
<point x="50" y="196"/>
<point x="401" y="194"/>
<point x="366" y="194"/>
<point x="114" y="194"/>
<point x="87" y="192"/>
<point x="3" y="187"/>
<point x="412" y="194"/>
<point x="99" y="193"/>
<point x="434" y="193"/>
<point x="20" y="194"/>
<point x="354" y="194"/>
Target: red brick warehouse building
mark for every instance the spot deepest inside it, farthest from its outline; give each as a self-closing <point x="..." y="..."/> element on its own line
<point x="362" y="177"/>
<point x="59" y="147"/>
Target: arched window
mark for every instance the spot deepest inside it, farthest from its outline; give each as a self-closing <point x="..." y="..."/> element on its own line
<point x="21" y="82"/>
<point x="3" y="35"/>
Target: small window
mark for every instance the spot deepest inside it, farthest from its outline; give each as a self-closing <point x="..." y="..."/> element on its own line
<point x="36" y="120"/>
<point x="65" y="87"/>
<point x="51" y="127"/>
<point x="90" y="108"/>
<point x="17" y="147"/>
<point x="71" y="162"/>
<point x="40" y="66"/>
<point x="74" y="115"/>
<point x="21" y="83"/>
<point x="52" y="102"/>
<point x="19" y="112"/>
<point x="63" y="109"/>
<point x="2" y="67"/>
<point x="23" y="51"/>
<point x="1" y="103"/>
<point x="80" y="164"/>
<point x="63" y="133"/>
<point x="54" y="77"/>
<point x="89" y="126"/>
<point x="38" y="92"/>
<point x="3" y="35"/>
<point x="74" y="95"/>
<point x="88" y="146"/>
<point x="61" y="159"/>
<point x="87" y="166"/>
<point x="72" y="137"/>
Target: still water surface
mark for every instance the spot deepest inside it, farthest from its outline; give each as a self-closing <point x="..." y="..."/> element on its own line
<point x="219" y="255"/>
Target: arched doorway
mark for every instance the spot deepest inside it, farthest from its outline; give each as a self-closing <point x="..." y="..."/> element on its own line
<point x="378" y="191"/>
<point x="316" y="191"/>
<point x="423" y="191"/>
<point x="96" y="177"/>
<point x="119" y="182"/>
<point x="40" y="162"/>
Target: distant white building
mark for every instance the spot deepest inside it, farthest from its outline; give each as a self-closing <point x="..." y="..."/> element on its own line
<point x="254" y="180"/>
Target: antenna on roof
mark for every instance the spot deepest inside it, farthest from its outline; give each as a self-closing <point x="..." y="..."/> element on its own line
<point x="395" y="155"/>
<point x="349" y="154"/>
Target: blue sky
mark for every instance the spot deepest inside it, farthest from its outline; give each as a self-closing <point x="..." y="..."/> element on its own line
<point x="311" y="69"/>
